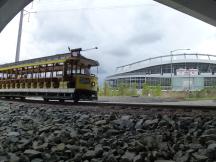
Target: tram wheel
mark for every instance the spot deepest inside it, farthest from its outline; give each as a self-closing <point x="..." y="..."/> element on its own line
<point x="76" y="98"/>
<point x="46" y="99"/>
<point x="61" y="100"/>
<point x="22" y="98"/>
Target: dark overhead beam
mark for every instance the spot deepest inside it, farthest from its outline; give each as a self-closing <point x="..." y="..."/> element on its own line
<point x="204" y="10"/>
<point x="9" y="9"/>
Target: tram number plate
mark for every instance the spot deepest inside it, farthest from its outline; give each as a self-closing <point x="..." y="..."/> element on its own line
<point x="84" y="80"/>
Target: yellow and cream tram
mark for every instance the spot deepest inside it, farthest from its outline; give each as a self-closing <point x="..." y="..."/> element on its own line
<point x="58" y="77"/>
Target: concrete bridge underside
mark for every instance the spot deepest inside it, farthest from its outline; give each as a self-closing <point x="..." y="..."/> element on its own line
<point x="200" y="9"/>
<point x="9" y="9"/>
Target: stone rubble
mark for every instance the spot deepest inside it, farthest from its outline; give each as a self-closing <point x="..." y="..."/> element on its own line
<point x="46" y="134"/>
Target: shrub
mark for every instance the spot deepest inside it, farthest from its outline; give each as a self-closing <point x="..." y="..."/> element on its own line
<point x="145" y="89"/>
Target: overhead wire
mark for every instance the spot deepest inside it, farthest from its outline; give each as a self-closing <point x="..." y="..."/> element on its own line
<point x="62" y="6"/>
<point x="97" y="8"/>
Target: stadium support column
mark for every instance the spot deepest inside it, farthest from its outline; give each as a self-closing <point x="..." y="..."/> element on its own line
<point x="171" y="68"/>
<point x="171" y="64"/>
<point x="19" y="37"/>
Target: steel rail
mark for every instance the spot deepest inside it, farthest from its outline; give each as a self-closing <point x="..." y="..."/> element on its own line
<point x="122" y="105"/>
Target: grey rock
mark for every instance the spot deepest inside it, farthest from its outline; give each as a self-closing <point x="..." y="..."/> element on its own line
<point x="73" y="133"/>
<point x="35" y="146"/>
<point x="111" y="158"/>
<point x="138" y="158"/>
<point x="13" y="139"/>
<point x="199" y="158"/>
<point x="209" y="131"/>
<point x="169" y="120"/>
<point x="78" y="157"/>
<point x="13" y="157"/>
<point x="164" y="161"/>
<point x="100" y="122"/>
<point x="73" y="148"/>
<point x="98" y="150"/>
<point x="123" y="123"/>
<point x="195" y="146"/>
<point x="127" y="157"/>
<point x="139" y="124"/>
<point x="3" y="158"/>
<point x="13" y="134"/>
<point x="205" y="138"/>
<point x="37" y="160"/>
<point x="32" y="153"/>
<point x="44" y="129"/>
<point x="60" y="147"/>
<point x="211" y="151"/>
<point x="89" y="155"/>
<point x="150" y="142"/>
<point x="139" y="146"/>
<point x="148" y="123"/>
<point x="111" y="132"/>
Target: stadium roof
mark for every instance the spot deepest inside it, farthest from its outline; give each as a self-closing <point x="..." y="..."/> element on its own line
<point x="166" y="59"/>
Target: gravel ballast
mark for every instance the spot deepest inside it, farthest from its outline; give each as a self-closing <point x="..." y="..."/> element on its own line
<point x="53" y="133"/>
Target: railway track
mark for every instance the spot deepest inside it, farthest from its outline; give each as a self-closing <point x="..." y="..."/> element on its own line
<point x="120" y="105"/>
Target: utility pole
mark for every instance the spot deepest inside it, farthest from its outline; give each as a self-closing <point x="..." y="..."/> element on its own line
<point x="20" y="33"/>
<point x="19" y="36"/>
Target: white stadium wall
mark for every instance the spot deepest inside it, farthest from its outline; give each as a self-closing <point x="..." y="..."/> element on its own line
<point x="190" y="73"/>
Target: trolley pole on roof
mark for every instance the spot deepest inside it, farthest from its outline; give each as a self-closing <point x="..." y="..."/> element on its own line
<point x="19" y="37"/>
<point x="88" y="49"/>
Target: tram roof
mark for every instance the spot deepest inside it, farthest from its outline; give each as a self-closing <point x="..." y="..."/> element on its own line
<point x="49" y="60"/>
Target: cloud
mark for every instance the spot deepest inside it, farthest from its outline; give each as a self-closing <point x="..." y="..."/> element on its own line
<point x="146" y="38"/>
<point x="119" y="51"/>
<point x="59" y="34"/>
<point x="63" y="30"/>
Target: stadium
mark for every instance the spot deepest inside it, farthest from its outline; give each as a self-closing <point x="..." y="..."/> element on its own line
<point x="179" y="72"/>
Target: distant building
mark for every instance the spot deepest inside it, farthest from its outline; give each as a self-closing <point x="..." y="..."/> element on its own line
<point x="179" y="72"/>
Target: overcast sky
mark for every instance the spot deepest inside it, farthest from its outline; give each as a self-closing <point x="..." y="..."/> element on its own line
<point x="125" y="31"/>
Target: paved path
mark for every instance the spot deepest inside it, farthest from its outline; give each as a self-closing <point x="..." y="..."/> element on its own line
<point x="157" y="100"/>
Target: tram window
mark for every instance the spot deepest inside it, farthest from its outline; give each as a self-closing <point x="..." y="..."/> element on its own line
<point x="35" y="75"/>
<point x="87" y="71"/>
<point x="12" y="76"/>
<point x="25" y="76"/>
<point x="78" y="71"/>
<point x="42" y="75"/>
<point x="59" y="73"/>
<point x="5" y="75"/>
<point x="1" y="75"/>
<point x="48" y="74"/>
<point x="68" y="71"/>
<point x="54" y="73"/>
<point x="82" y="71"/>
<point x="39" y="75"/>
<point x="19" y="76"/>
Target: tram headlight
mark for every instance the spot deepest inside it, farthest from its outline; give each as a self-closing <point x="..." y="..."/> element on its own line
<point x="92" y="84"/>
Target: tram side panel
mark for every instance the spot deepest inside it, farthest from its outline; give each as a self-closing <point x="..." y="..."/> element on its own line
<point x="82" y="86"/>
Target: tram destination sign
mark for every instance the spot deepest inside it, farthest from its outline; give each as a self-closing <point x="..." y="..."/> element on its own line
<point x="187" y="72"/>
